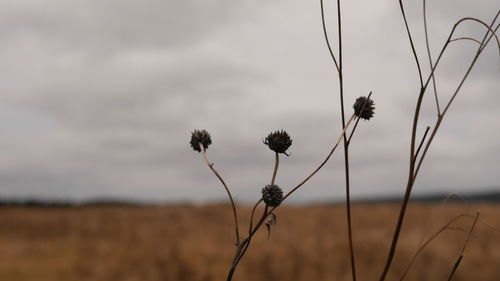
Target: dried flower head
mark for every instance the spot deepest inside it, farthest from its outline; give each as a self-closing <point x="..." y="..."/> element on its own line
<point x="272" y="195"/>
<point x="200" y="136"/>
<point x="278" y="141"/>
<point x="364" y="108"/>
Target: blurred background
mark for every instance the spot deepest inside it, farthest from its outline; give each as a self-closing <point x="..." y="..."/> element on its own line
<point x="99" y="98"/>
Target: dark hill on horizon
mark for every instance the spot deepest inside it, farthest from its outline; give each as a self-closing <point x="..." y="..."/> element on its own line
<point x="476" y="197"/>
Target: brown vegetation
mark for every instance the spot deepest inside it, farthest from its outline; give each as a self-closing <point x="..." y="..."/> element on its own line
<point x="196" y="243"/>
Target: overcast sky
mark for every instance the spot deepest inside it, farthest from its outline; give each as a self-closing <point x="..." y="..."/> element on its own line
<point x="98" y="98"/>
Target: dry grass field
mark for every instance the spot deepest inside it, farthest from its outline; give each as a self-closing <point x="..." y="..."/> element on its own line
<point x="185" y="243"/>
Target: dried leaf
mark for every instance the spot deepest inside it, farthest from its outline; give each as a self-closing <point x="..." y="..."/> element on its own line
<point x="271" y="220"/>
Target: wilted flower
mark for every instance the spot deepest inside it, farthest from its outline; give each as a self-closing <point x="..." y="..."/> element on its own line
<point x="278" y="141"/>
<point x="200" y="136"/>
<point x="364" y="108"/>
<point x="272" y="195"/>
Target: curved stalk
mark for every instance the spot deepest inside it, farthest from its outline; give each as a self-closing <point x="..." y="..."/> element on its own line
<point x="233" y="206"/>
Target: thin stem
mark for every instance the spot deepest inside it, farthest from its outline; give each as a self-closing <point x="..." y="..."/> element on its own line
<point x="421" y="143"/>
<point x="353" y="130"/>
<point x="456" y="195"/>
<point x="491" y="227"/>
<point x="464" y="78"/>
<point x="481" y="48"/>
<point x="441" y="205"/>
<point x="489" y="27"/>
<point x="325" y="33"/>
<point x="233" y="206"/>
<point x="322" y="163"/>
<point x="427" y="44"/>
<point x="248" y="240"/>
<point x="412" y="171"/>
<point x="252" y="215"/>
<point x="338" y="66"/>
<point x="242" y="247"/>
<point x="484" y="42"/>
<point x="357" y="120"/>
<point x="411" y="43"/>
<point x="276" y="164"/>
<point x="346" y="146"/>
<point x="477" y="41"/>
<point x="409" y="187"/>
<point x="460" y="257"/>
<point x="466" y="38"/>
<point x="428" y="241"/>
<point x="470" y="233"/>
<point x="493" y="35"/>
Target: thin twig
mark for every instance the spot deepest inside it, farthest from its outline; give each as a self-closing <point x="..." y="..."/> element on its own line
<point x="346" y="145"/>
<point x="493" y="228"/>
<point x="243" y="245"/>
<point x="489" y="27"/>
<point x="478" y="53"/>
<point x="474" y="40"/>
<point x="427" y="44"/>
<point x="442" y="205"/>
<point x="460" y="257"/>
<point x="276" y="164"/>
<point x="252" y="214"/>
<point x="457" y="195"/>
<point x="325" y="33"/>
<point x="233" y="206"/>
<point x="421" y="143"/>
<point x="322" y="163"/>
<point x="428" y="241"/>
<point x="357" y="120"/>
<point x="466" y="38"/>
<point x="265" y="213"/>
<point x="411" y="43"/>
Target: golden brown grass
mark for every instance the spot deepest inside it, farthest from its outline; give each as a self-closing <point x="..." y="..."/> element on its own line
<point x="195" y="244"/>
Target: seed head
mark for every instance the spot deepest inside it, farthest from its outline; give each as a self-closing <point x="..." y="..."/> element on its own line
<point x="364" y="108"/>
<point x="278" y="141"/>
<point x="272" y="195"/>
<point x="200" y="136"/>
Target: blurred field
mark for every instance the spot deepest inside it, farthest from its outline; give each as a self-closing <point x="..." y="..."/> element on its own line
<point x="196" y="244"/>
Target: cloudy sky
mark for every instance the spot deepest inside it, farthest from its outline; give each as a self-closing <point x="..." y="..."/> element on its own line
<point x="98" y="98"/>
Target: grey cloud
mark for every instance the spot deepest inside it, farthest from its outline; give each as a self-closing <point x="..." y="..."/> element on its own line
<point x="113" y="25"/>
<point x="99" y="99"/>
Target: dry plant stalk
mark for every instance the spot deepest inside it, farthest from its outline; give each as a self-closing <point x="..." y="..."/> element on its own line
<point x="280" y="141"/>
<point x="272" y="195"/>
<point x="415" y="161"/>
